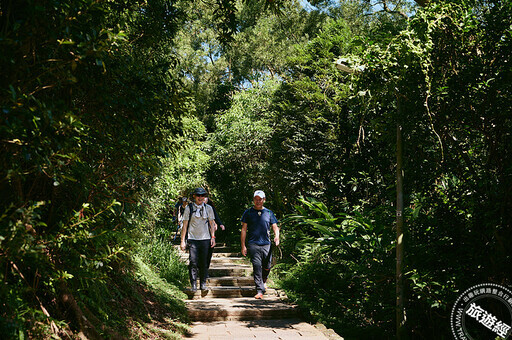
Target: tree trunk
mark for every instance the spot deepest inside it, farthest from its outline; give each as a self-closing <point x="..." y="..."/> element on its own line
<point x="85" y="328"/>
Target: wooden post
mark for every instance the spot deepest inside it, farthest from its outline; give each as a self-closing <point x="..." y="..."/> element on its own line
<point x="400" y="309"/>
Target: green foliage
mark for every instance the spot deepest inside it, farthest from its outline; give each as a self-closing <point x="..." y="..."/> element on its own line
<point x="111" y="109"/>
<point x="314" y="132"/>
<point x="443" y="76"/>
<point x="265" y="34"/>
<point x="157" y="251"/>
<point x="239" y="150"/>
<point x="172" y="293"/>
<point x="441" y="80"/>
<point x="87" y="107"/>
<point x="343" y="268"/>
<point x="180" y="172"/>
<point x="262" y="46"/>
<point x="310" y="144"/>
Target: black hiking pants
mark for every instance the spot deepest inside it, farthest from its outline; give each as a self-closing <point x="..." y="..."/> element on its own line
<point x="198" y="260"/>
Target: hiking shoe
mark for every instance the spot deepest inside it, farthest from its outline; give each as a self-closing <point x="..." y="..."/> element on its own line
<point x="258" y="296"/>
<point x="203" y="286"/>
<point x="193" y="287"/>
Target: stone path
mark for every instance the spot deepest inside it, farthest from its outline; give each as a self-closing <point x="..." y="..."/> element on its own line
<point x="228" y="310"/>
<point x="284" y="329"/>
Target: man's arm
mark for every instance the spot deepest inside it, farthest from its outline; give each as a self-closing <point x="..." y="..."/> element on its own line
<point x="276" y="233"/>
<point x="183" y="246"/>
<point x="243" y="235"/>
<point x="218" y="221"/>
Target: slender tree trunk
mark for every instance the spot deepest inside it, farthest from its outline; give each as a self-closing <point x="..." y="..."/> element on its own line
<point x="400" y="309"/>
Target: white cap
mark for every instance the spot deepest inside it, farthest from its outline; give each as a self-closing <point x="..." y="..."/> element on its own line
<point x="259" y="193"/>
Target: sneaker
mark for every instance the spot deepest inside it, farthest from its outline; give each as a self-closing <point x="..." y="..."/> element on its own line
<point x="193" y="287"/>
<point x="203" y="286"/>
<point x="258" y="296"/>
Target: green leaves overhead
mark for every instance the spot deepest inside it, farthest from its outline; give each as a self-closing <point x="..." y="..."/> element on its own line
<point x="87" y="107"/>
<point x="442" y="75"/>
<point x="110" y="108"/>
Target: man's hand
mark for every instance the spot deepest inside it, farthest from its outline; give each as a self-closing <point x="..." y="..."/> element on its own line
<point x="222" y="227"/>
<point x="276" y="240"/>
<point x="183" y="245"/>
<point x="212" y="242"/>
<point x="244" y="250"/>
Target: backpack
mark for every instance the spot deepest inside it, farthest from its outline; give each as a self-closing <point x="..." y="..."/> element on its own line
<point x="192" y="211"/>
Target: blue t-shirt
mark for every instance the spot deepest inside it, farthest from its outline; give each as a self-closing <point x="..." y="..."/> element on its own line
<point x="258" y="225"/>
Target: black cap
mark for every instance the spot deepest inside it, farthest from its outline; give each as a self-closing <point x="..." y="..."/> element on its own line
<point x="199" y="191"/>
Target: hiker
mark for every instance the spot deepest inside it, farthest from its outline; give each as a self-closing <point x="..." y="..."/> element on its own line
<point x="180" y="209"/>
<point x="218" y="223"/>
<point x="256" y="223"/>
<point x="177" y="206"/>
<point x="198" y="226"/>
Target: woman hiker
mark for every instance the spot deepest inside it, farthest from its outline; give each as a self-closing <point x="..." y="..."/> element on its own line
<point x="199" y="227"/>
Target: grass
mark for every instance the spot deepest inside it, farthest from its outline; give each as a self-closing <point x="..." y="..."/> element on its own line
<point x="164" y="315"/>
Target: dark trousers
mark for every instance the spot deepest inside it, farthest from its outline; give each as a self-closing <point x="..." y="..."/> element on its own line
<point x="261" y="258"/>
<point x="198" y="260"/>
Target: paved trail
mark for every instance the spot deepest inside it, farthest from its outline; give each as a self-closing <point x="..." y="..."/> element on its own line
<point x="285" y="329"/>
<point x="229" y="310"/>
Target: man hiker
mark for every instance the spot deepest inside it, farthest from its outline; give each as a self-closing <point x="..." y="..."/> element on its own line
<point x="198" y="226"/>
<point x="256" y="223"/>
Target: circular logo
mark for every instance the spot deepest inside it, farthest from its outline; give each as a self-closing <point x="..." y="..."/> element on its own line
<point x="483" y="311"/>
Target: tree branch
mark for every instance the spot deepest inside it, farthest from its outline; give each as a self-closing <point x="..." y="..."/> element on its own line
<point x="422" y="3"/>
<point x="391" y="11"/>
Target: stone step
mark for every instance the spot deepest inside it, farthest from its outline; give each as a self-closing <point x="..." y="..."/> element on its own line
<point x="221" y="260"/>
<point x="219" y="248"/>
<point x="234" y="269"/>
<point x="222" y="254"/>
<point x="237" y="281"/>
<point x="224" y="249"/>
<point x="229" y="292"/>
<point x="218" y="309"/>
<point x="229" y="281"/>
<point x="230" y="260"/>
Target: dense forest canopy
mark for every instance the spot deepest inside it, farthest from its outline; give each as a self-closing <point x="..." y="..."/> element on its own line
<point x="112" y="109"/>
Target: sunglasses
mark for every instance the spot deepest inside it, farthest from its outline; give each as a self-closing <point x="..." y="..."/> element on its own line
<point x="202" y="195"/>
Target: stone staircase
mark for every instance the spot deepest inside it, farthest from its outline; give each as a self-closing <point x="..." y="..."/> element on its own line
<point x="231" y="293"/>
